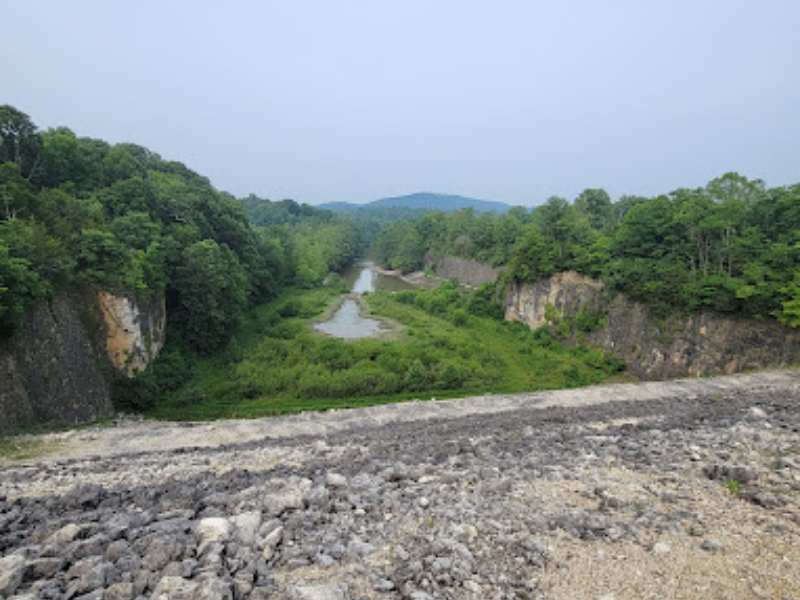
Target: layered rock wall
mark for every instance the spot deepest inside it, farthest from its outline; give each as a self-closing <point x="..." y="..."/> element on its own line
<point x="59" y="365"/>
<point x="653" y="347"/>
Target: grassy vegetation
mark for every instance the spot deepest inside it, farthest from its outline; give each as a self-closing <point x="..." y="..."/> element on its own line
<point x="276" y="364"/>
<point x="19" y="448"/>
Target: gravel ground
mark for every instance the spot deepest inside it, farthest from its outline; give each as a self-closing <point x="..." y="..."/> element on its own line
<point x="686" y="489"/>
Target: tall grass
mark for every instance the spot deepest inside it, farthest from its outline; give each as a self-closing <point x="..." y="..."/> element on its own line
<point x="277" y="364"/>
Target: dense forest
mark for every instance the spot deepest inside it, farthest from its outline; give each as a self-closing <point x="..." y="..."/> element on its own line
<point x="732" y="246"/>
<point x="76" y="209"/>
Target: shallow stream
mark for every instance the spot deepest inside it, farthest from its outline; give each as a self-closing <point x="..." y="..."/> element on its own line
<point x="349" y="322"/>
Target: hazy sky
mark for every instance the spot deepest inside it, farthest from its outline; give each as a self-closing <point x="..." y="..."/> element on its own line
<point x="336" y="100"/>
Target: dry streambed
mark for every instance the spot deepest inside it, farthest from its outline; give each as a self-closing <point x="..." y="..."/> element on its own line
<point x="664" y="490"/>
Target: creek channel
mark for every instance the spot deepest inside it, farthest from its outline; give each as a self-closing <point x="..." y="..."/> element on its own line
<point x="349" y="321"/>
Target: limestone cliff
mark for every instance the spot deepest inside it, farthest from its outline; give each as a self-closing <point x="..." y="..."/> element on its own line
<point x="59" y="365"/>
<point x="134" y="330"/>
<point x="654" y="348"/>
<point x="467" y="272"/>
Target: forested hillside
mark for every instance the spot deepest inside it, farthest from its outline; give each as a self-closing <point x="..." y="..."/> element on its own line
<point x="321" y="241"/>
<point x="76" y="209"/>
<point x="732" y="246"/>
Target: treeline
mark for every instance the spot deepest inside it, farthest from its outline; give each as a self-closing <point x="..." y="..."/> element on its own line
<point x="732" y="246"/>
<point x="321" y="242"/>
<point x="76" y="209"/>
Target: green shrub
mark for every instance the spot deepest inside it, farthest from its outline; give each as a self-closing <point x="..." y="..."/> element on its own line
<point x="291" y="308"/>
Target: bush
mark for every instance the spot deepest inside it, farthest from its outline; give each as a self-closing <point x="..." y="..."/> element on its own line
<point x="291" y="308"/>
<point x="136" y="394"/>
<point x="459" y="317"/>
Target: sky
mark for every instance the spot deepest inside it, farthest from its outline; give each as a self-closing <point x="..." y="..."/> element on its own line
<point x="355" y="100"/>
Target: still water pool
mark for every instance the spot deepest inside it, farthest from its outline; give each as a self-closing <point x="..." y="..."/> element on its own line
<point x="348" y="322"/>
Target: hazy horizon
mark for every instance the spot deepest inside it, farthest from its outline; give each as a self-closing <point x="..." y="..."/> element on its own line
<point x="355" y="101"/>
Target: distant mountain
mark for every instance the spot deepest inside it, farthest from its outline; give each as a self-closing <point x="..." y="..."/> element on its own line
<point x="340" y="206"/>
<point x="423" y="201"/>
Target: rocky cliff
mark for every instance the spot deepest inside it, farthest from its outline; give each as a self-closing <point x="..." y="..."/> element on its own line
<point x="468" y="272"/>
<point x="58" y="367"/>
<point x="134" y="330"/>
<point x="654" y="348"/>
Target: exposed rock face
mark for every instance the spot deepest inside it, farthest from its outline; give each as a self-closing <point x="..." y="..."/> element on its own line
<point x="58" y="367"/>
<point x="655" y="348"/>
<point x="470" y="273"/>
<point x="135" y="330"/>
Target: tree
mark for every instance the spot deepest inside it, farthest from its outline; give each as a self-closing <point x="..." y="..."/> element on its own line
<point x="20" y="285"/>
<point x="19" y="141"/>
<point x="212" y="291"/>
<point x="596" y="203"/>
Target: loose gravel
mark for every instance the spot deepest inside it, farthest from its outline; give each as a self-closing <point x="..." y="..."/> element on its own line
<point x="686" y="489"/>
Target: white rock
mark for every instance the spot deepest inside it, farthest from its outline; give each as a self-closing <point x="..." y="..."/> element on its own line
<point x="246" y="525"/>
<point x="270" y="542"/>
<point x="12" y="569"/>
<point x="661" y="548"/>
<point x="335" y="480"/>
<point x="330" y="591"/>
<point x="214" y="529"/>
<point x="473" y="586"/>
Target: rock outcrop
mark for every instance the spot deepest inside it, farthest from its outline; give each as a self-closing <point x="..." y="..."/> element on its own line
<point x="59" y="365"/>
<point x="653" y="347"/>
<point x="467" y="272"/>
<point x="134" y="330"/>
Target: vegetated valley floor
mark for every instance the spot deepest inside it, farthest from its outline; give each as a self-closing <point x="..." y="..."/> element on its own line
<point x="685" y="489"/>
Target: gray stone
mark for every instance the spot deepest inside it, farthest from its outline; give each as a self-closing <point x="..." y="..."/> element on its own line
<point x="46" y="568"/>
<point x="120" y="591"/>
<point x="383" y="585"/>
<point x="318" y="497"/>
<point x="175" y="588"/>
<point x="95" y="595"/>
<point x="88" y="575"/>
<point x="214" y="588"/>
<point x="277" y="503"/>
<point x="64" y="535"/>
<point x="324" y="560"/>
<point x="711" y="545"/>
<point x="358" y="548"/>
<point x="117" y="550"/>
<point x="160" y="553"/>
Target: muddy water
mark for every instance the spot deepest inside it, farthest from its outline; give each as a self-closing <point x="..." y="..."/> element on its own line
<point x="361" y="279"/>
<point x="348" y="322"/>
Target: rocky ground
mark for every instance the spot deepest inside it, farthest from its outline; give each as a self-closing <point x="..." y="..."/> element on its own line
<point x="662" y="490"/>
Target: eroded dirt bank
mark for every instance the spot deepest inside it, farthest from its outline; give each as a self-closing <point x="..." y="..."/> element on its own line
<point x="686" y="489"/>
